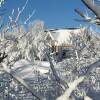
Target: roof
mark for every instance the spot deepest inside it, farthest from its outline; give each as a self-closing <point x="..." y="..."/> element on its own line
<point x="63" y="35"/>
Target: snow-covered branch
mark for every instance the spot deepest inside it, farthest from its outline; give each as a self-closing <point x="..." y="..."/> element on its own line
<point x="71" y="88"/>
<point x="94" y="8"/>
<point x="20" y="80"/>
<point x="57" y="78"/>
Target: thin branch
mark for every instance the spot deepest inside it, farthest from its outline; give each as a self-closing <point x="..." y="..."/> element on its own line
<point x="13" y="12"/>
<point x="29" y="17"/>
<point x="20" y="11"/>
<point x="79" y="13"/>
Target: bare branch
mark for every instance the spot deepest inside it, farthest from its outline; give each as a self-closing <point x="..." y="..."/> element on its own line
<point x="2" y="56"/>
<point x="80" y="13"/>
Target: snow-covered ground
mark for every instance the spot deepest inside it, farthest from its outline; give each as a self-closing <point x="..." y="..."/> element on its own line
<point x="25" y="69"/>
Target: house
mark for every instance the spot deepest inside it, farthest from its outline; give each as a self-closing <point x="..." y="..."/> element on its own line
<point x="60" y="40"/>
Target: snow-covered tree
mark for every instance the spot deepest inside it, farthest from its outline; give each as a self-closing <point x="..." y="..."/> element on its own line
<point x="69" y="79"/>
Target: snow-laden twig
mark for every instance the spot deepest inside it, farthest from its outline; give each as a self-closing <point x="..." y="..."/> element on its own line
<point x="29" y="17"/>
<point x="20" y="11"/>
<point x="13" y="12"/>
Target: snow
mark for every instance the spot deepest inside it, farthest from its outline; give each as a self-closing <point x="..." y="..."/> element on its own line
<point x="87" y="98"/>
<point x="42" y="63"/>
<point x="26" y="70"/>
<point x="63" y="35"/>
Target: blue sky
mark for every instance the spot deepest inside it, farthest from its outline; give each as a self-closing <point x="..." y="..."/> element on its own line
<point x="54" y="13"/>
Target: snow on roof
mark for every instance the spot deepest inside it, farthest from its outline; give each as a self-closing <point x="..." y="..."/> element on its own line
<point x="63" y="35"/>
